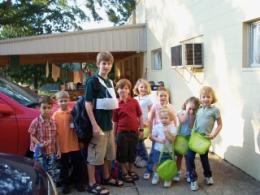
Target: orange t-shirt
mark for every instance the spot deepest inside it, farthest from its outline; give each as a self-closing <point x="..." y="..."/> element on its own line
<point x="67" y="138"/>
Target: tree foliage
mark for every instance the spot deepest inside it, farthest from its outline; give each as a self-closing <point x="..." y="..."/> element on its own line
<point x="34" y="17"/>
<point x="117" y="11"/>
<point x="20" y="18"/>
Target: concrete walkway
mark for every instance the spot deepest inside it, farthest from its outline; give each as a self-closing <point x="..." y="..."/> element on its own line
<point x="229" y="180"/>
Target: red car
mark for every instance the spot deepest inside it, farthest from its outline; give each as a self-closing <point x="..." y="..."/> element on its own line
<point x="18" y="107"/>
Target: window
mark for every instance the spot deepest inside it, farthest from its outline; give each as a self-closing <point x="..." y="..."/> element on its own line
<point x="157" y="59"/>
<point x="193" y="54"/>
<point x="254" y="44"/>
<point x="188" y="54"/>
<point x="176" y="55"/>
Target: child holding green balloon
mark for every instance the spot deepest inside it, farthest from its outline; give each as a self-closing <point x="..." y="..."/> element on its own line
<point x="206" y="117"/>
<point x="163" y="135"/>
<point x="186" y="119"/>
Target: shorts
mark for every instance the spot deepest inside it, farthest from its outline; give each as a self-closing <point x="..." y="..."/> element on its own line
<point x="126" y="146"/>
<point x="101" y="148"/>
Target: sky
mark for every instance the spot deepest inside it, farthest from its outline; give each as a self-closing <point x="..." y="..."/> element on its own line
<point x="90" y="25"/>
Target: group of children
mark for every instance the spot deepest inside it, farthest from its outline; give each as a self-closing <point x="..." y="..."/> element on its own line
<point x="120" y="124"/>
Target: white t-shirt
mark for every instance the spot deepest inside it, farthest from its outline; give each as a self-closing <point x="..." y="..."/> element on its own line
<point x="145" y="102"/>
<point x="158" y="131"/>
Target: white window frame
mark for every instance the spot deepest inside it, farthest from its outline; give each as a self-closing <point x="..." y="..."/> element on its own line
<point x="193" y="55"/>
<point x="156" y="56"/>
<point x="254" y="44"/>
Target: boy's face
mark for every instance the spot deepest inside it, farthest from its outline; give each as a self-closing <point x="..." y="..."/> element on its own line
<point x="104" y="67"/>
<point x="45" y="110"/>
<point x="63" y="103"/>
<point x="123" y="92"/>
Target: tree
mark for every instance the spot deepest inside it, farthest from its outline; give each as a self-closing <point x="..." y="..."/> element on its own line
<point x="118" y="11"/>
<point x="34" y="17"/>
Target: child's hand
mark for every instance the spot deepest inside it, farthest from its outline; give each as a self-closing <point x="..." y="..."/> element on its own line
<point x="209" y="136"/>
<point x="46" y="143"/>
<point x="58" y="155"/>
<point x="141" y="134"/>
<point x="97" y="131"/>
<point x="163" y="141"/>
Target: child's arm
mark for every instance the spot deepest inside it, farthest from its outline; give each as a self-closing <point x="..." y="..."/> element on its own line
<point x="182" y="116"/>
<point x="89" y="108"/>
<point x="151" y="117"/>
<point x="214" y="133"/>
<point x="155" y="137"/>
<point x="169" y="136"/>
<point x="35" y="140"/>
<point x="141" y="127"/>
<point x="58" y="145"/>
<point x="159" y="140"/>
<point x="115" y="127"/>
<point x="174" y="119"/>
<point x="58" y="149"/>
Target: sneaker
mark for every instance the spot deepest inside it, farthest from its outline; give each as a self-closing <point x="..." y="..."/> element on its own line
<point x="137" y="159"/>
<point x="141" y="163"/>
<point x="209" y="180"/>
<point x="167" y="184"/>
<point x="177" y="177"/>
<point x="155" y="179"/>
<point x="187" y="177"/>
<point x="194" y="186"/>
<point x="147" y="176"/>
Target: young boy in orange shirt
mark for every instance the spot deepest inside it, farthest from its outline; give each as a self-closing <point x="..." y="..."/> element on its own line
<point x="69" y="146"/>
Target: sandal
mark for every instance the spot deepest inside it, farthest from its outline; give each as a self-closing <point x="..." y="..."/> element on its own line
<point x="97" y="189"/>
<point x="127" y="178"/>
<point x="112" y="182"/>
<point x="133" y="175"/>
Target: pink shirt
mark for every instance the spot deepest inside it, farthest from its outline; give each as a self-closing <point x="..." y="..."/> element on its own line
<point x="156" y="108"/>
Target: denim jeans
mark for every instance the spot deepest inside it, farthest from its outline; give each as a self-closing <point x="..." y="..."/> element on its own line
<point x="192" y="168"/>
<point x="150" y="163"/>
<point x="47" y="161"/>
<point x="156" y="157"/>
<point x="141" y="150"/>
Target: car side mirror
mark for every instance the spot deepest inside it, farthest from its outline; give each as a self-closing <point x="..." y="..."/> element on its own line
<point x="6" y="109"/>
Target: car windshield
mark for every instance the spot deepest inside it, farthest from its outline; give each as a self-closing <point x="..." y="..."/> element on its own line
<point x="17" y="93"/>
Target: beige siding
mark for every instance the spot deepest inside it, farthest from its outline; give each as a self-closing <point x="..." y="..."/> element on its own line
<point x="219" y="24"/>
<point x="125" y="38"/>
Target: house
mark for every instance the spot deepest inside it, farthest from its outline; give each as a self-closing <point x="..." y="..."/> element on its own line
<point x="187" y="44"/>
<point x="127" y="44"/>
<point x="192" y="43"/>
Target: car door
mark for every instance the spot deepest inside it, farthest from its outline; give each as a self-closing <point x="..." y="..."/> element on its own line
<point x="8" y="128"/>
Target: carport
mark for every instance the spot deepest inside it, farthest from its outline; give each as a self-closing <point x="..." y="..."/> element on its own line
<point x="127" y="44"/>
